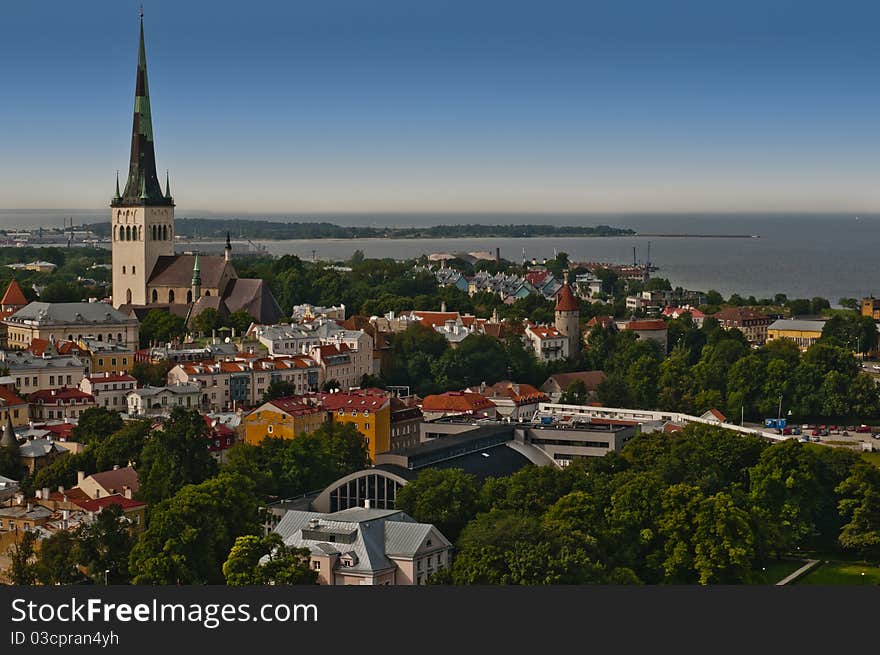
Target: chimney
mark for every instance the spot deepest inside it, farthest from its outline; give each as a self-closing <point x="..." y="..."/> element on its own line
<point x="80" y="477"/>
<point x="443" y="306"/>
<point x="126" y="491"/>
<point x="29" y="507"/>
<point x="45" y="493"/>
<point x="61" y="488"/>
<point x="367" y="503"/>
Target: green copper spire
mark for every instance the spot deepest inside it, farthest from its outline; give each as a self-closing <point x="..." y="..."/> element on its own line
<point x="197" y="274"/>
<point x="117" y="196"/>
<point x="142" y="186"/>
<point x="167" y="186"/>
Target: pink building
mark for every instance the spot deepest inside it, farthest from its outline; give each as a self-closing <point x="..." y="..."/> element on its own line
<point x="362" y="546"/>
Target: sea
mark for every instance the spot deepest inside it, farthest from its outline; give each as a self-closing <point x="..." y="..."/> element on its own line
<point x="802" y="255"/>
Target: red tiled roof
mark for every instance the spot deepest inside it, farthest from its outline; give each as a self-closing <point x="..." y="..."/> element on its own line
<point x="14" y="296"/>
<point x="8" y="397"/>
<point x="652" y="324"/>
<point x="521" y="394"/>
<point x="295" y="405"/>
<point x="456" y="401"/>
<point x="604" y="321"/>
<point x="363" y="399"/>
<point x="116" y="479"/>
<point x="117" y="499"/>
<point x="714" y="412"/>
<point x="739" y="314"/>
<point x="50" y="396"/>
<point x="433" y="319"/>
<point x="675" y="312"/>
<point x="545" y="332"/>
<point x="60" y="430"/>
<point x="536" y="278"/>
<point x="565" y="300"/>
<point x="672" y="427"/>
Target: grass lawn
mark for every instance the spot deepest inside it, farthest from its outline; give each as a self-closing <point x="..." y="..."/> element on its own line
<point x="842" y="573"/>
<point x="874" y="458"/>
<point x="776" y="570"/>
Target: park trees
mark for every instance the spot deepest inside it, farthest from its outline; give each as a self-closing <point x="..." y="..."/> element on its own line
<point x="265" y="560"/>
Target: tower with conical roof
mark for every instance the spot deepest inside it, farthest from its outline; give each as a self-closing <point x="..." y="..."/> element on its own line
<point x="142" y="216"/>
<point x="8" y="439"/>
<point x="568" y="317"/>
<point x="197" y="280"/>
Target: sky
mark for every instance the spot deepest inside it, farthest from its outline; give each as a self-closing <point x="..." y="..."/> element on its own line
<point x="449" y="106"/>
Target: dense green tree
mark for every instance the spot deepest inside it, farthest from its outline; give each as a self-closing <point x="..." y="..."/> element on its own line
<point x="22" y="556"/>
<point x="160" y="327"/>
<point x="191" y="533"/>
<point x="860" y="509"/>
<point x="282" y="565"/>
<point x="154" y="375"/>
<point x="175" y="456"/>
<point x="207" y="321"/>
<point x="103" y="546"/>
<point x="96" y="424"/>
<point x="446" y="498"/>
<point x="57" y="562"/>
<point x="724" y="543"/>
<point x="574" y="394"/>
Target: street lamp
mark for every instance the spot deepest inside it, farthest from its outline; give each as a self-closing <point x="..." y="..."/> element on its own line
<point x="106" y="573"/>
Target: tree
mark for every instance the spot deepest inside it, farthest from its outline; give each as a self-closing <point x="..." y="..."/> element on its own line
<point x="155" y="375"/>
<point x="161" y="326"/>
<point x="104" y="544"/>
<point x="279" y="389"/>
<point x="860" y="508"/>
<point x="56" y="563"/>
<point x="175" y="456"/>
<point x="574" y="394"/>
<point x="724" y="544"/>
<point x="96" y="424"/>
<point x="207" y="321"/>
<point x="22" y="552"/>
<point x="446" y="498"/>
<point x="849" y="303"/>
<point x="123" y="446"/>
<point x="190" y="534"/>
<point x="240" y="321"/>
<point x="283" y="565"/>
<point x="61" y="291"/>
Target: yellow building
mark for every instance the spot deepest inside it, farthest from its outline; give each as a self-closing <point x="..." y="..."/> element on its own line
<point x="369" y="410"/>
<point x="284" y="418"/>
<point x="107" y="357"/>
<point x="804" y="333"/>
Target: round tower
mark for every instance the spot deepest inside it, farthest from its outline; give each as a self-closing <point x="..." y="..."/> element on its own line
<point x="568" y="315"/>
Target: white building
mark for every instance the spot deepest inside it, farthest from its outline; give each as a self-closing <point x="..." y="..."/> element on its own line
<point x="156" y="401"/>
<point x="109" y="390"/>
<point x="548" y="342"/>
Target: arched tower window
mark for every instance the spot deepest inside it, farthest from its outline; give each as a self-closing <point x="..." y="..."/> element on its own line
<point x="207" y="293"/>
<point x="121" y="233"/>
<point x="141" y="233"/>
<point x="123" y="270"/>
<point x="128" y="300"/>
<point x="171" y="295"/>
<point x="155" y="296"/>
<point x="164" y="233"/>
<point x="128" y="232"/>
<point x="189" y="297"/>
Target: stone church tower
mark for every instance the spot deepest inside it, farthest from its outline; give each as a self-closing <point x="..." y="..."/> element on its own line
<point x="142" y="216"/>
<point x="568" y="313"/>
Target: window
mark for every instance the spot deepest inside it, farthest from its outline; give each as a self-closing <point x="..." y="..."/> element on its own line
<point x="316" y="565"/>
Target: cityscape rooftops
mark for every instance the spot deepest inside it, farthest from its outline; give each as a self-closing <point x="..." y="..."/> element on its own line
<point x="68" y="313"/>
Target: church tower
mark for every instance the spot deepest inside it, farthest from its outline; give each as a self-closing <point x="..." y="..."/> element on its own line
<point x="142" y="217"/>
<point x="568" y="313"/>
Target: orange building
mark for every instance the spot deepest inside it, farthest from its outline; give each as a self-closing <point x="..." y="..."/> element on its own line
<point x="369" y="410"/>
<point x="284" y="418"/>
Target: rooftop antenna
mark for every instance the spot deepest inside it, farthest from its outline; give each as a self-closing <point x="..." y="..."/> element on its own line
<point x="141" y="12"/>
<point x="634" y="256"/>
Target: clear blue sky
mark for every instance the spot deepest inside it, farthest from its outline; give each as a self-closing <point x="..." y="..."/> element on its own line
<point x="409" y="105"/>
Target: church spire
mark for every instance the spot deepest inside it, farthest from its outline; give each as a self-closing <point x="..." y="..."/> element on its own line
<point x="142" y="186"/>
<point x="167" y="186"/>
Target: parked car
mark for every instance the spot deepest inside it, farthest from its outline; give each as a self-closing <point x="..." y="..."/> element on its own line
<point x="817" y="433"/>
<point x="796" y="430"/>
<point x="862" y="429"/>
<point x="816" y="439"/>
<point x="788" y="431"/>
<point x="833" y="428"/>
<point x="850" y="428"/>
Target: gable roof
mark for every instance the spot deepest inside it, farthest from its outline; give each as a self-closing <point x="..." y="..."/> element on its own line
<point x="254" y="297"/>
<point x="114" y="481"/>
<point x="591" y="380"/>
<point x="177" y="270"/>
<point x="14" y="296"/>
<point x="456" y="401"/>
<point x="656" y="324"/>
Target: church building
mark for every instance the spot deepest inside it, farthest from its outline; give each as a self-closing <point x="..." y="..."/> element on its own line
<point x="147" y="274"/>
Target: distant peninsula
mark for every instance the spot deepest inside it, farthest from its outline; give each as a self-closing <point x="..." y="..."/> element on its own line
<point x="212" y="229"/>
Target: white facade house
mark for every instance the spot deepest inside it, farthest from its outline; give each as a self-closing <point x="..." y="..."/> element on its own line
<point x="156" y="401"/>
